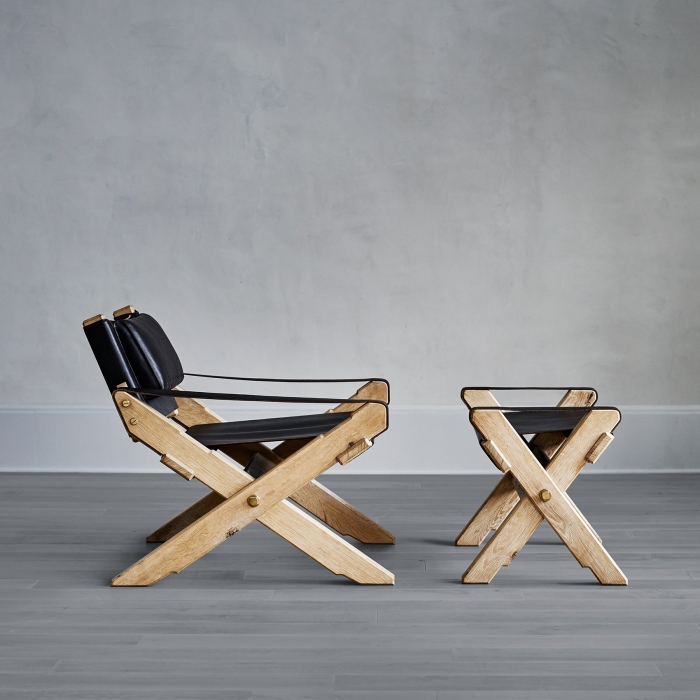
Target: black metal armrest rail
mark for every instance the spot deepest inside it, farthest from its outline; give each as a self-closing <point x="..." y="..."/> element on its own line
<point x="175" y="393"/>
<point x="183" y="393"/>
<point x="546" y="409"/>
<point x="529" y="388"/>
<point x="550" y="409"/>
<point x="356" y="380"/>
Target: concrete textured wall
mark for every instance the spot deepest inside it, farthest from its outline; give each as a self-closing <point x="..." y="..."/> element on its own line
<point x="443" y="193"/>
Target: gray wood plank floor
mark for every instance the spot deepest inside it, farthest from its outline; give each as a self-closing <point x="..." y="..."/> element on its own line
<point x="256" y="619"/>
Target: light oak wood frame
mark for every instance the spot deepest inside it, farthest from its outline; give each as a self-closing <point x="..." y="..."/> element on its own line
<point x="532" y="489"/>
<point x="313" y="497"/>
<point x="237" y="499"/>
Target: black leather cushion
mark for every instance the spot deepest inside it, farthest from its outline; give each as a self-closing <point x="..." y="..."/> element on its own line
<point x="550" y="420"/>
<point x="151" y="355"/>
<point x="109" y="354"/>
<point x="266" y="429"/>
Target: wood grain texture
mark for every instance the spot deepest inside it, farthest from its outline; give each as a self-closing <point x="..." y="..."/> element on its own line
<point x="317" y="499"/>
<point x="307" y="463"/>
<point x="496" y="455"/>
<point x="340" y="515"/>
<point x="378" y="390"/>
<point x="495" y="509"/>
<point x="559" y="512"/>
<point x="179" y="468"/>
<point x="288" y="521"/>
<point x="491" y="514"/>
<point x="125" y="310"/>
<point x="601" y="445"/>
<point x="353" y="451"/>
<point x="232" y="483"/>
<point x="94" y="319"/>
<point x="187" y="517"/>
<point x="478" y="397"/>
<point x="194" y="412"/>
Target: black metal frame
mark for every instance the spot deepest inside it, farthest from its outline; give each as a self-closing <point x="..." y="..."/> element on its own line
<point x="297" y="381"/>
<point x="175" y="393"/>
<point x="546" y="409"/>
<point x="536" y="409"/>
<point x="213" y="396"/>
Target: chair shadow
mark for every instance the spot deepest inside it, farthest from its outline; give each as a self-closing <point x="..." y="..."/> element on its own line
<point x="544" y="542"/>
<point x="446" y="543"/>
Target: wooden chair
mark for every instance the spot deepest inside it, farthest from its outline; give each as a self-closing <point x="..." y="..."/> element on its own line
<point x="143" y="372"/>
<point x="537" y="473"/>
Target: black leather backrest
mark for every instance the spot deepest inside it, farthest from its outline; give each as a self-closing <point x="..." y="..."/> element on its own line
<point x="151" y="355"/>
<point x="135" y="350"/>
<point x="110" y="356"/>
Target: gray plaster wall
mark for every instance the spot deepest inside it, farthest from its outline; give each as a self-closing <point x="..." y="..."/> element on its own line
<point x="443" y="193"/>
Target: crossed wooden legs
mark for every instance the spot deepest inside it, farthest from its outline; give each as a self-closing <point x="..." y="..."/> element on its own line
<point x="206" y="524"/>
<point x="327" y="506"/>
<point x="512" y="455"/>
<point x="186" y="518"/>
<point x="501" y="501"/>
<point x="313" y="497"/>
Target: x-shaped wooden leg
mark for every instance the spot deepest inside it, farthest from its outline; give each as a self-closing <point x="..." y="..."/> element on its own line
<point x="314" y="497"/>
<point x="504" y="497"/>
<point x="237" y="487"/>
<point x="513" y="455"/>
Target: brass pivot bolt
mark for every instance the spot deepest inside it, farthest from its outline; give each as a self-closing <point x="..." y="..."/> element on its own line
<point x="253" y="501"/>
<point x="545" y="495"/>
<point x="134" y="421"/>
<point x="126" y="403"/>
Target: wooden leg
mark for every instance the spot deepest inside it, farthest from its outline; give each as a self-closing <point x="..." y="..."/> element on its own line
<point x="330" y="508"/>
<point x="340" y="515"/>
<point x="510" y="538"/>
<point x="288" y="521"/>
<point x="582" y="516"/>
<point x="326" y="547"/>
<point x="491" y="514"/>
<point x="559" y="510"/>
<point x="247" y="499"/>
<point x="187" y="517"/>
<point x="501" y="549"/>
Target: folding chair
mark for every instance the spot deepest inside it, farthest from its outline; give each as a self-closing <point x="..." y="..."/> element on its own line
<point x="537" y="473"/>
<point x="143" y="372"/>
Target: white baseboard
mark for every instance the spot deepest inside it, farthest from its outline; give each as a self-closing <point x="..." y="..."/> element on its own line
<point x="420" y="440"/>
